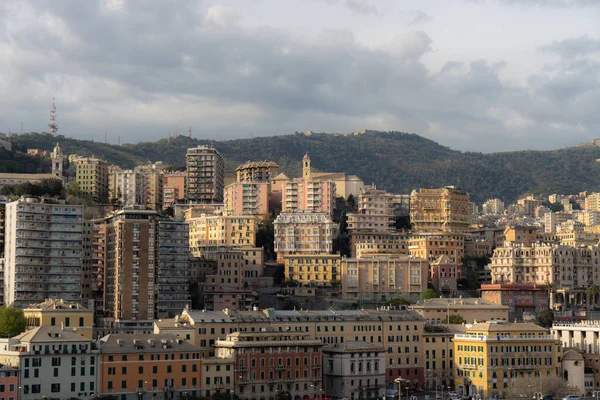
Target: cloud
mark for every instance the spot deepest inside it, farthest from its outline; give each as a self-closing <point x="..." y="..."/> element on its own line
<point x="546" y="3"/>
<point x="137" y="69"/>
<point x="419" y="17"/>
<point x="574" y="47"/>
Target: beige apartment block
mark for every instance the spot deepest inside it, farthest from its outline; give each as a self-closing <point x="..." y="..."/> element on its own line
<point x="174" y="187"/>
<point x="437" y="310"/>
<point x="304" y="233"/>
<point x="92" y="176"/>
<point x="153" y="185"/>
<point x="430" y="246"/>
<point x="592" y="202"/>
<point x="370" y="242"/>
<point x="527" y="205"/>
<point x="445" y="209"/>
<point x="247" y="198"/>
<point x="377" y="210"/>
<point x="210" y="232"/>
<point x="127" y="187"/>
<point x="257" y="171"/>
<point x="382" y="277"/>
<point x="205" y="175"/>
<point x="493" y="207"/>
<point x="439" y="355"/>
<point x="313" y="269"/>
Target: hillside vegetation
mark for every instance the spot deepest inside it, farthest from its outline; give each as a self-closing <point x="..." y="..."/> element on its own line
<point x="398" y="162"/>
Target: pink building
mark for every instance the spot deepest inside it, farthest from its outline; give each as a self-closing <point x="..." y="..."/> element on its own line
<point x="9" y="382"/>
<point x="444" y="274"/>
<point x="174" y="184"/>
<point x="247" y="198"/>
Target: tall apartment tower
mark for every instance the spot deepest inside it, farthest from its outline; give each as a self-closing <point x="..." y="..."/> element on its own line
<point x="205" y="175"/>
<point x="92" y="176"/>
<point x="43" y="251"/>
<point x="146" y="266"/>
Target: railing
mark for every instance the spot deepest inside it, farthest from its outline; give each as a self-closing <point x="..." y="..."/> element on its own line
<point x="502" y="338"/>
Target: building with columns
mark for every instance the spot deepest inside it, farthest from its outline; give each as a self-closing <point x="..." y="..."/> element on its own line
<point x="444" y="209"/>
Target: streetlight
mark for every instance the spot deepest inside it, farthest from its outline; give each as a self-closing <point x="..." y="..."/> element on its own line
<point x="538" y="395"/>
<point x="398" y="381"/>
<point x="596" y="394"/>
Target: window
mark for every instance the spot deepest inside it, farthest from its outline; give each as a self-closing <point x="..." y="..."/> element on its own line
<point x="140" y="370"/>
<point x="52" y="323"/>
<point x="55" y="388"/>
<point x="80" y="321"/>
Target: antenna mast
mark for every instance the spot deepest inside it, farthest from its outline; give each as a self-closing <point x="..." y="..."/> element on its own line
<point x="190" y="132"/>
<point x="52" y="125"/>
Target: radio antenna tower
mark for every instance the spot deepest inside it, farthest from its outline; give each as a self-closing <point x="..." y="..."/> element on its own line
<point x="52" y="125"/>
<point x="190" y="132"/>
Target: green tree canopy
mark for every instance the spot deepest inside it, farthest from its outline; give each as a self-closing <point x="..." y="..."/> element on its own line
<point x="455" y="319"/>
<point x="546" y="317"/>
<point x="429" y="294"/>
<point x="397" y="302"/>
<point x="12" y="321"/>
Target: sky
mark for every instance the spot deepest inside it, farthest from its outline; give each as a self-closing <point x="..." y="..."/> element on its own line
<point x="474" y="75"/>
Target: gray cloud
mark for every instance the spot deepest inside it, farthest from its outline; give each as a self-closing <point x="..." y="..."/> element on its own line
<point x="574" y="47"/>
<point x="142" y="68"/>
<point x="419" y="17"/>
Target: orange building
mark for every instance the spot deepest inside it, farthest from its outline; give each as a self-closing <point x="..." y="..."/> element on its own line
<point x="174" y="187"/>
<point x="162" y="365"/>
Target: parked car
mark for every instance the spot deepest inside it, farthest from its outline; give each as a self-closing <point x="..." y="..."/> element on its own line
<point x="571" y="397"/>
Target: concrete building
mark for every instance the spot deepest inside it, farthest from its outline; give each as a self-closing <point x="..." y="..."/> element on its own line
<point x="489" y="355"/>
<point x="439" y="355"/>
<point x="430" y="246"/>
<point x="7" y="179"/>
<point x="54" y="363"/>
<point x="304" y="233"/>
<point x="60" y="313"/>
<point x="445" y="209"/>
<point x="369" y="242"/>
<point x="247" y="198"/>
<point x="521" y="299"/>
<point x="444" y="275"/>
<point x="217" y="375"/>
<point x="174" y="188"/>
<point x="378" y="210"/>
<point x="92" y="176"/>
<point x="257" y="171"/>
<point x="9" y="381"/>
<point x="592" y="202"/>
<point x="208" y="232"/>
<point x="128" y="187"/>
<point x="153" y="185"/>
<point x="437" y="310"/>
<point x="205" y="175"/>
<point x="527" y="205"/>
<point x="272" y="361"/>
<point x="313" y="269"/>
<point x="158" y="366"/>
<point x="382" y="277"/>
<point x="493" y="207"/>
<point x="2" y="229"/>
<point x="1" y="281"/>
<point x="146" y="267"/>
<point x="353" y="370"/>
<point x="43" y="251"/>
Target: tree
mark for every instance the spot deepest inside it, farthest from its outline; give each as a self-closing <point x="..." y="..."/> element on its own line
<point x="397" y="302"/>
<point x="429" y="294"/>
<point x="289" y="304"/>
<point x="12" y="321"/>
<point x="455" y="319"/>
<point x="546" y="317"/>
<point x="591" y="292"/>
<point x="526" y="386"/>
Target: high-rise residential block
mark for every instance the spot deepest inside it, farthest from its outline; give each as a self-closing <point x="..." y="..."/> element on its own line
<point x="378" y="210"/>
<point x="174" y="187"/>
<point x="257" y="171"/>
<point x="128" y="187"/>
<point x="43" y="251"/>
<point x="445" y="209"/>
<point x="92" y="177"/>
<point x="146" y="268"/>
<point x="205" y="175"/>
<point x="493" y="207"/>
<point x="304" y="233"/>
<point x="153" y="185"/>
<point x="247" y="198"/>
<point x="210" y="232"/>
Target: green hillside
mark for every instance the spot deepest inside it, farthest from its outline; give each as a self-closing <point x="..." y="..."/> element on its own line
<point x="399" y="162"/>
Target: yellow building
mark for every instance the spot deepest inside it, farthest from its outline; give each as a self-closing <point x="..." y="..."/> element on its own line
<point x="209" y="232"/>
<point x="490" y="356"/>
<point x="313" y="269"/>
<point x="57" y="312"/>
<point x="431" y="246"/>
<point x="445" y="209"/>
<point x="92" y="176"/>
<point x="439" y="354"/>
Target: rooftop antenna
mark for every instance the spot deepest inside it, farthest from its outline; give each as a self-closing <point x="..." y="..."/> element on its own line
<point x="105" y="141"/>
<point x="21" y="128"/>
<point x="52" y="125"/>
<point x="190" y="132"/>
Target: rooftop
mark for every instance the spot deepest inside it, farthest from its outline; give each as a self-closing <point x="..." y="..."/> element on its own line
<point x="56" y="304"/>
<point x="144" y="343"/>
<point x="49" y="334"/>
<point x="456" y="303"/>
<point x="352" y="346"/>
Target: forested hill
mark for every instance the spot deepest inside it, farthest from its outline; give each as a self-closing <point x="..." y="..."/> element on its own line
<point x="398" y="162"/>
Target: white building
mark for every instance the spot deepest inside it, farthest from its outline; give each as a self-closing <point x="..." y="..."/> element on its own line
<point x="54" y="363"/>
<point x="493" y="207"/>
<point x="304" y="233"/>
<point x="378" y="209"/>
<point x="354" y="369"/>
<point x="43" y="251"/>
<point x="129" y="188"/>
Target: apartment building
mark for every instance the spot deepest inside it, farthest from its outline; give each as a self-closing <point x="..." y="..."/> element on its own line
<point x="2" y="231"/>
<point x="382" y="277"/>
<point x="313" y="269"/>
<point x="444" y="275"/>
<point x="53" y="363"/>
<point x="9" y="382"/>
<point x="208" y="232"/>
<point x="526" y="235"/>
<point x="247" y="198"/>
<point x="527" y="205"/>
<point x="91" y="261"/>
<point x="439" y="355"/>
<point x="92" y="176"/>
<point x="437" y="310"/>
<point x="520" y="298"/>
<point x="489" y="355"/>
<point x="205" y="175"/>
<point x="354" y="369"/>
<point x="553" y="220"/>
<point x="378" y="210"/>
<point x="7" y="178"/>
<point x="272" y="361"/>
<point x="399" y="331"/>
<point x="1" y="281"/>
<point x="227" y="287"/>
<point x="493" y="207"/>
<point x="369" y="242"/>
<point x="174" y="187"/>
<point x="173" y="274"/>
<point x="146" y="267"/>
<point x="592" y="202"/>
<point x="43" y="251"/>
<point x="217" y="375"/>
<point x="157" y="366"/>
<point x="127" y="187"/>
<point x="257" y="171"/>
<point x="153" y="185"/>
<point x="430" y="246"/>
<point x="60" y="313"/>
<point x="304" y="233"/>
<point x="445" y="209"/>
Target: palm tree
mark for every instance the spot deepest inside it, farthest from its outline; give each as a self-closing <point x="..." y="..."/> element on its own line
<point x="591" y="292"/>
